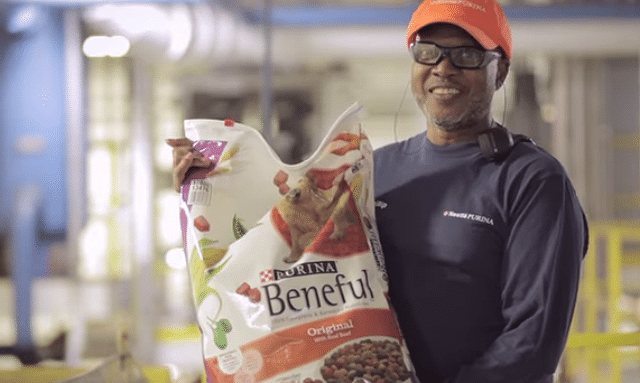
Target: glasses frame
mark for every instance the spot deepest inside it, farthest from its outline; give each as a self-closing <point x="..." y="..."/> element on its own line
<point x="446" y="52"/>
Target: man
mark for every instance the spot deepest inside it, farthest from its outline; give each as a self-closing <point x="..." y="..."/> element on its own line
<point x="482" y="232"/>
<point x="483" y="250"/>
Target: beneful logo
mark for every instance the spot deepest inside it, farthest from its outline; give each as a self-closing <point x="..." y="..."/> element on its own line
<point x="460" y="2"/>
<point x="471" y="217"/>
<point x="336" y="291"/>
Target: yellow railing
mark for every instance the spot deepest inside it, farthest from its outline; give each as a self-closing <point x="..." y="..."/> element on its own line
<point x="152" y="374"/>
<point x="605" y="337"/>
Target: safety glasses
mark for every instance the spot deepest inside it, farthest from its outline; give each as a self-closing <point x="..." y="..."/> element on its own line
<point x="461" y="57"/>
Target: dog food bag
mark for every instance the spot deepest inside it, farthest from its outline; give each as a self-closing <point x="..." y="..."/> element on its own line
<point x="285" y="263"/>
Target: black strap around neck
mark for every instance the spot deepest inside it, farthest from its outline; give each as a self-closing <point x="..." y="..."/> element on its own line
<point x="497" y="142"/>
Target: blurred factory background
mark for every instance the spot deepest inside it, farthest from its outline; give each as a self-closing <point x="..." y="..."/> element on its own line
<point x="89" y="90"/>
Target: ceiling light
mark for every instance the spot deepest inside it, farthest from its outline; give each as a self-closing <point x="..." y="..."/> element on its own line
<point x="103" y="46"/>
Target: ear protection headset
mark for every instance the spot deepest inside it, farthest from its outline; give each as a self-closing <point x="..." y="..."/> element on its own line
<point x="497" y="142"/>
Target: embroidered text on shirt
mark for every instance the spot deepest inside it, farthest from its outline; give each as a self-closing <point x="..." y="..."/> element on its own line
<point x="472" y="217"/>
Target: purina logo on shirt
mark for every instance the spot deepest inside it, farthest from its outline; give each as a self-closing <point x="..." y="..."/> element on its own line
<point x="381" y="204"/>
<point x="471" y="217"/>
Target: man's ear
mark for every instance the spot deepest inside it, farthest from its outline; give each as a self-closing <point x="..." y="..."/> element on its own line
<point x="503" y="71"/>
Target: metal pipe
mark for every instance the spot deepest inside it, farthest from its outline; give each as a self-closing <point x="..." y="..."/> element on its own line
<point x="144" y="287"/>
<point x="76" y="199"/>
<point x="267" y="72"/>
<point x="316" y="16"/>
<point x="24" y="244"/>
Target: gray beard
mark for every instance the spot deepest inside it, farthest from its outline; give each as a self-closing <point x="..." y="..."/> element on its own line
<point x="464" y="121"/>
<point x="451" y="125"/>
<point x="447" y="125"/>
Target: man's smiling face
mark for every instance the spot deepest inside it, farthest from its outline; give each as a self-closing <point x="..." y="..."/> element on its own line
<point x="455" y="99"/>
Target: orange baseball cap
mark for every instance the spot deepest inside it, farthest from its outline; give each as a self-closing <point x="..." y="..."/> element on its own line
<point x="482" y="19"/>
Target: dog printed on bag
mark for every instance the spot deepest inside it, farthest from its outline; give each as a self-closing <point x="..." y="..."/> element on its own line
<point x="307" y="208"/>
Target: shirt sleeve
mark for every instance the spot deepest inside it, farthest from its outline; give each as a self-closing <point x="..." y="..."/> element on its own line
<point x="540" y="275"/>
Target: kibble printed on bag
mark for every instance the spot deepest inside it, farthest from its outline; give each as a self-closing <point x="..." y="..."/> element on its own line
<point x="287" y="275"/>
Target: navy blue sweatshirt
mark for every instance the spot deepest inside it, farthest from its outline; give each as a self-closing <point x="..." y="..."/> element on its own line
<point x="483" y="258"/>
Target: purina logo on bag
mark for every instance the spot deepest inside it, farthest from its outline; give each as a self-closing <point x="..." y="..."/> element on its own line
<point x="303" y="269"/>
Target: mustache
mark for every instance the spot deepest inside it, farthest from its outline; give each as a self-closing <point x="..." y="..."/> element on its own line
<point x="443" y="84"/>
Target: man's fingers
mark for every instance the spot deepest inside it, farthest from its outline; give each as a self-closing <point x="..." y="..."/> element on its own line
<point x="180" y="169"/>
<point x="184" y="157"/>
<point x="181" y="149"/>
<point x="200" y="161"/>
<point x="176" y="142"/>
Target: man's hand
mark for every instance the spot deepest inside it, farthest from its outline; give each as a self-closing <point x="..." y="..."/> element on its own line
<point x="184" y="157"/>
